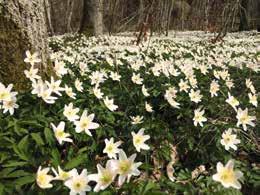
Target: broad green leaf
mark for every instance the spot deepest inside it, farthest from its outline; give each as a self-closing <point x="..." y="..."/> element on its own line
<point x="75" y="162"/>
<point x="37" y="138"/>
<point x="49" y="135"/>
<point x="24" y="143"/>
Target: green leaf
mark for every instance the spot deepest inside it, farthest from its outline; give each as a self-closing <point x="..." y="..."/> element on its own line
<point x="31" y="123"/>
<point x="15" y="164"/>
<point x="25" y="180"/>
<point x="21" y="154"/>
<point x="148" y="187"/>
<point x="18" y="173"/>
<point x="5" y="172"/>
<point x="49" y="136"/>
<point x="55" y="156"/>
<point x="2" y="189"/>
<point x="75" y="162"/>
<point x="37" y="138"/>
<point x="24" y="143"/>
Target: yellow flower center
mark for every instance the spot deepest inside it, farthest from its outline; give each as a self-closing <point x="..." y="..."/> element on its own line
<point x="227" y="139"/>
<point x="4" y="95"/>
<point x="77" y="185"/>
<point x="106" y="178"/>
<point x="110" y="148"/>
<point x="244" y="119"/>
<point x="85" y="124"/>
<point x="64" y="175"/>
<point x="59" y="133"/>
<point x="227" y="176"/>
<point x="41" y="179"/>
<point x="124" y="166"/>
<point x="138" y="139"/>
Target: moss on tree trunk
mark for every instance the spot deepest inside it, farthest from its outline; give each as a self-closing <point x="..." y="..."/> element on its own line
<point x="22" y="27"/>
<point x="12" y="48"/>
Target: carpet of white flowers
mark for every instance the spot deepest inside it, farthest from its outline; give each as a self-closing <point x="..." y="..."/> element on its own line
<point x="174" y="115"/>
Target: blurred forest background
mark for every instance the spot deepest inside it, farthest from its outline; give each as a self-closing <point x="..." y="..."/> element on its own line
<point x="26" y="24"/>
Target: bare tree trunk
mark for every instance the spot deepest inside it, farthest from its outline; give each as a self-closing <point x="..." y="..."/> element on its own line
<point x="258" y="17"/>
<point x="22" y="27"/>
<point x="70" y="6"/>
<point x="97" y="6"/>
<point x="141" y="12"/>
<point x="243" y="15"/>
<point x="169" y="16"/>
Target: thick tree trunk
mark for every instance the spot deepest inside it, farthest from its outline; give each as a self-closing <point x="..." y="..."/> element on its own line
<point x="22" y="27"/>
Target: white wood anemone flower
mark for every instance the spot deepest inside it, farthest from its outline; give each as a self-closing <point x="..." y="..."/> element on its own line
<point x="136" y="119"/>
<point x="78" y="184"/>
<point x="110" y="104"/>
<point x="69" y="92"/>
<point x="139" y="139"/>
<point x="61" y="174"/>
<point x="136" y="78"/>
<point x="59" y="133"/>
<point x="244" y="119"/>
<point x="253" y="99"/>
<point x="32" y="74"/>
<point x="104" y="177"/>
<point x="78" y="85"/>
<point x="55" y="86"/>
<point x="126" y="167"/>
<point x="43" y="180"/>
<point x="229" y="140"/>
<point x="198" y="117"/>
<point x="227" y="176"/>
<point x="111" y="148"/>
<point x="32" y="58"/>
<point x="60" y="69"/>
<point x="195" y="96"/>
<point x="148" y="107"/>
<point x="232" y="101"/>
<point x="86" y="123"/>
<point x="145" y="91"/>
<point x="5" y="92"/>
<point x="71" y="113"/>
<point x="97" y="92"/>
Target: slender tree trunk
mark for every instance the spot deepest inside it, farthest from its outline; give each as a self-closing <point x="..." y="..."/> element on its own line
<point x="141" y="12"/>
<point x="243" y="16"/>
<point x="258" y="18"/>
<point x="97" y="6"/>
<point x="22" y="27"/>
<point x="169" y="16"/>
<point x="47" y="8"/>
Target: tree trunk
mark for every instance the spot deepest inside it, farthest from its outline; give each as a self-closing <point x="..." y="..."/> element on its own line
<point x="258" y="17"/>
<point x="97" y="7"/>
<point x="22" y="27"/>
<point x="243" y="16"/>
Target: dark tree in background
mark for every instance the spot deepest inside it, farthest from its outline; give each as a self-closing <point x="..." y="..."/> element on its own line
<point x="243" y="15"/>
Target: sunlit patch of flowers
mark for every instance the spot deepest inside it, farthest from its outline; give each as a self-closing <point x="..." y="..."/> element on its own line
<point x="112" y="99"/>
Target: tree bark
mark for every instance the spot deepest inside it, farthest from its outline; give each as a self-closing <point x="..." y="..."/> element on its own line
<point x="243" y="16"/>
<point x="97" y="7"/>
<point x="258" y="17"/>
<point x="22" y="27"/>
